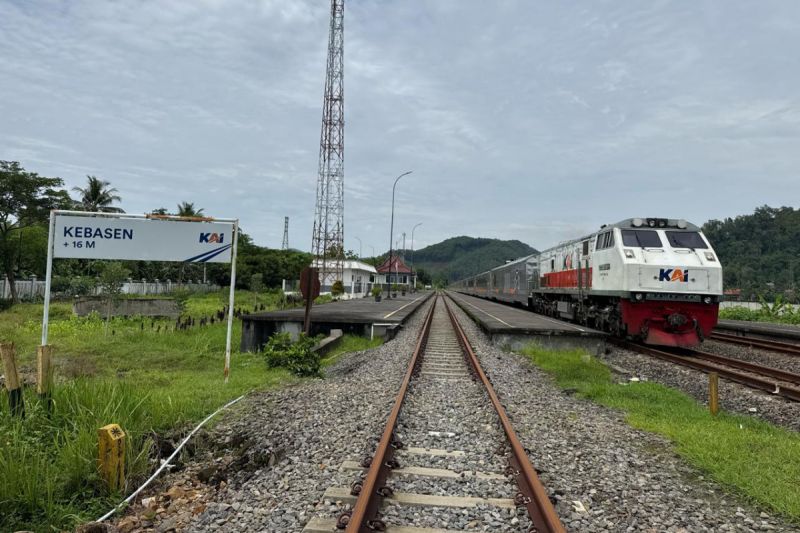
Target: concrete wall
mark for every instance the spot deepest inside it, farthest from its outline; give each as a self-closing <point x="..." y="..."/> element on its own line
<point x="129" y="307"/>
<point x="33" y="289"/>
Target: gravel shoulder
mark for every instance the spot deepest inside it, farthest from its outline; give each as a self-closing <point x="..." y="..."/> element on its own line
<point x="624" y="479"/>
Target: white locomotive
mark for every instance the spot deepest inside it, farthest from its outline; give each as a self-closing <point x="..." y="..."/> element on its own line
<point x="654" y="279"/>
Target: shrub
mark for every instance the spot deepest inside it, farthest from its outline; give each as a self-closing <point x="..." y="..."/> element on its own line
<point x="376" y="291"/>
<point x="297" y="357"/>
<point x="337" y="289"/>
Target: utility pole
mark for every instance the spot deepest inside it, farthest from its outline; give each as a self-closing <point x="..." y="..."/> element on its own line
<point x="285" y="244"/>
<point x="327" y="243"/>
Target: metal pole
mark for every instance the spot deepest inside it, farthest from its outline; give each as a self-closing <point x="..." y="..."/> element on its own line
<point x="391" y="230"/>
<point x="230" y="301"/>
<point x="412" y="253"/>
<point x="48" y="277"/>
<point x="359" y="247"/>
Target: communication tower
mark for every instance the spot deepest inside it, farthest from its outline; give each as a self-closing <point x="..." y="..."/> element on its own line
<point x="328" y="238"/>
<point x="285" y="244"/>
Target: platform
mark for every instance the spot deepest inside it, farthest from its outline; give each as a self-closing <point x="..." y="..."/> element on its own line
<point x="361" y="316"/>
<point x="766" y="329"/>
<point x="516" y="327"/>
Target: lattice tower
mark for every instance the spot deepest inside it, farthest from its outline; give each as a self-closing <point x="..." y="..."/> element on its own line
<point x="328" y="239"/>
<point x="285" y="244"/>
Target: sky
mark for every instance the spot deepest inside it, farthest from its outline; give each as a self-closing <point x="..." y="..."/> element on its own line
<point x="529" y="120"/>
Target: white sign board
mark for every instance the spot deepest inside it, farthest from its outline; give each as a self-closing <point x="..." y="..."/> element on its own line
<point x="82" y="237"/>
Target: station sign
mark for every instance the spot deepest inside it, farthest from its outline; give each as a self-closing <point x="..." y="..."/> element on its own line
<point x="145" y="239"/>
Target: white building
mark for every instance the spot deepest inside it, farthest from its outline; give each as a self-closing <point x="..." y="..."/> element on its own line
<point x="357" y="278"/>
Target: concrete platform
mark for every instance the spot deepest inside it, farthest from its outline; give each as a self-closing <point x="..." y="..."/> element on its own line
<point x="362" y="316"/>
<point x="516" y="327"/>
<point x="767" y="329"/>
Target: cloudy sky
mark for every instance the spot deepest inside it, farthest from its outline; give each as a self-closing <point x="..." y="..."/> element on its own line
<point x="530" y="120"/>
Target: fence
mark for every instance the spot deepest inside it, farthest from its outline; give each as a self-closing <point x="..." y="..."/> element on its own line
<point x="32" y="289"/>
<point x="753" y="306"/>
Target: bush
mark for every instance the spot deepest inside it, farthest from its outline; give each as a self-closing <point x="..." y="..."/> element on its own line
<point x="376" y="291"/>
<point x="297" y="357"/>
<point x="337" y="289"/>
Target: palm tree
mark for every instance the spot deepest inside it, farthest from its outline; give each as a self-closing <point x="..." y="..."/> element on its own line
<point x="97" y="196"/>
<point x="187" y="209"/>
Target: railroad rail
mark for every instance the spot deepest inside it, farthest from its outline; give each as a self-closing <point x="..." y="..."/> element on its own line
<point x="756" y="376"/>
<point x="450" y="357"/>
<point x="766" y="344"/>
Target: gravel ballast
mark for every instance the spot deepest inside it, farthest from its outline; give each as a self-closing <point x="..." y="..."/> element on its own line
<point x="269" y="461"/>
<point x="733" y="397"/>
<point x="603" y="474"/>
<point x="266" y="465"/>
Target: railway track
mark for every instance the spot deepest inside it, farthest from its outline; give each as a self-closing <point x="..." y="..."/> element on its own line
<point x="447" y="426"/>
<point x="761" y="377"/>
<point x="766" y="344"/>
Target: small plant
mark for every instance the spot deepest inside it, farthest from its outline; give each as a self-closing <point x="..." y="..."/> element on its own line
<point x="112" y="277"/>
<point x="337" y="289"/>
<point x="181" y="297"/>
<point x="376" y="291"/>
<point x="297" y="357"/>
<point x="257" y="286"/>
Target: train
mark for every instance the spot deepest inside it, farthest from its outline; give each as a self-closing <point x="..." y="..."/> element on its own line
<point x="654" y="280"/>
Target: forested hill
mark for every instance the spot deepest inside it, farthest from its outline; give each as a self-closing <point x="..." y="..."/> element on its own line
<point x="759" y="253"/>
<point x="458" y="257"/>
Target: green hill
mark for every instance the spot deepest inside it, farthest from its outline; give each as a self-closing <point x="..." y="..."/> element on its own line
<point x="759" y="253"/>
<point x="458" y="257"/>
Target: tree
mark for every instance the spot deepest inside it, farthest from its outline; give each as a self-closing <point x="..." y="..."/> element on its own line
<point x="112" y="278"/>
<point x="25" y="200"/>
<point x="187" y="209"/>
<point x="337" y="289"/>
<point x="97" y="196"/>
<point x="159" y="211"/>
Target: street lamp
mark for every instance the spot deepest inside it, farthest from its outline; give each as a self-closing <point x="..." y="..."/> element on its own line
<point x="391" y="229"/>
<point x="359" y="247"/>
<point x="412" y="254"/>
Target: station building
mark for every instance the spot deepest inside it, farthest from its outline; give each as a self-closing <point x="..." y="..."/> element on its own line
<point x="357" y="278"/>
<point x="396" y="272"/>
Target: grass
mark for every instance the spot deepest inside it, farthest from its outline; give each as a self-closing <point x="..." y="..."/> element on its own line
<point x="753" y="458"/>
<point x="349" y="344"/>
<point x="767" y="313"/>
<point x="142" y="375"/>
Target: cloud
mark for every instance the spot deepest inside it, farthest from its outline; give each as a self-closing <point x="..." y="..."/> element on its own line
<point x="534" y="121"/>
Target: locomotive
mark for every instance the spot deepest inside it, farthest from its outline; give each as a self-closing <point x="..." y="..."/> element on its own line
<point x="656" y="280"/>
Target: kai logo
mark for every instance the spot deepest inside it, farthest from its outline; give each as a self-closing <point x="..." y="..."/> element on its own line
<point x="673" y="274"/>
<point x="212" y="237"/>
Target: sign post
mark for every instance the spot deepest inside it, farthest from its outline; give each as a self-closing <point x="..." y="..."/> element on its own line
<point x="120" y="236"/>
<point x="309" y="288"/>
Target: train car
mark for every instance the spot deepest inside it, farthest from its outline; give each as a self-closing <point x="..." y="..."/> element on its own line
<point x="652" y="279"/>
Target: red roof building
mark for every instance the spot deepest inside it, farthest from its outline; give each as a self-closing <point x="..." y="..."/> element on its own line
<point x="395" y="272"/>
<point x="396" y="266"/>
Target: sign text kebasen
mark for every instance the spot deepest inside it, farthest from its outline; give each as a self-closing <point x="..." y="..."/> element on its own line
<point x="79" y="237"/>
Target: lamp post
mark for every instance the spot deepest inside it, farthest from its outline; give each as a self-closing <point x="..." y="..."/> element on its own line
<point x="412" y="253"/>
<point x="391" y="229"/>
<point x="359" y="247"/>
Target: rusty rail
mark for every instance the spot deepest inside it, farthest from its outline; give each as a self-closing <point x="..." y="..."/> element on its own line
<point x="532" y="493"/>
<point x="768" y="385"/>
<point x="777" y="346"/>
<point x="767" y="371"/>
<point x="373" y="487"/>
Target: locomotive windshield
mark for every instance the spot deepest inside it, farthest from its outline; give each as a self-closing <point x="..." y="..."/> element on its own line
<point x="641" y="238"/>
<point x="686" y="239"/>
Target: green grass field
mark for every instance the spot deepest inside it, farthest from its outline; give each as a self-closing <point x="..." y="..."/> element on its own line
<point x="151" y="380"/>
<point x="752" y="458"/>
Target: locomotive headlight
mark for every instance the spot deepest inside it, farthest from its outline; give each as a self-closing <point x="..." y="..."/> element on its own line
<point x="637" y="222"/>
<point x="707" y="299"/>
<point x="710" y="256"/>
<point x="639" y="297"/>
<point x="629" y="254"/>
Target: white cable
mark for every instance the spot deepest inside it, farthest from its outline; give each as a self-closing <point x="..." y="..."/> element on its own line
<point x="169" y="459"/>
